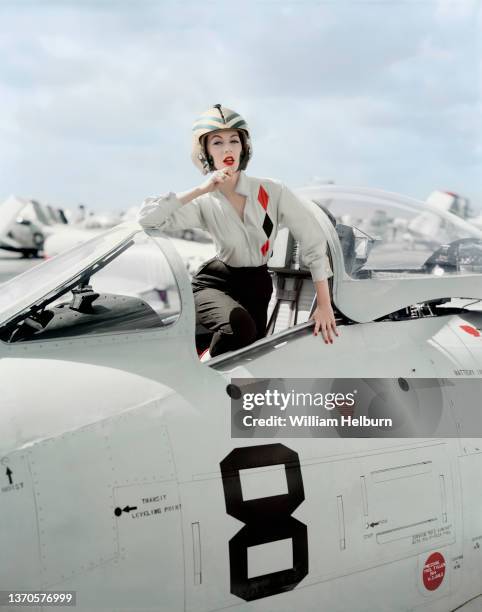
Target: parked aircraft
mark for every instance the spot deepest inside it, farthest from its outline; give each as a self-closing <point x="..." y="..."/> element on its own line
<point x="94" y="224"/>
<point x="100" y="221"/>
<point x="72" y="235"/>
<point x="121" y="481"/>
<point x="19" y="233"/>
<point x="193" y="248"/>
<point x="25" y="224"/>
<point x="456" y="204"/>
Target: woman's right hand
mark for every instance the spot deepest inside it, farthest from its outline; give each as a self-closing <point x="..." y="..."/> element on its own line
<point x="215" y="179"/>
<point x="218" y="177"/>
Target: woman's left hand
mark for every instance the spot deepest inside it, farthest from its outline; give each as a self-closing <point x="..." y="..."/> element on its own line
<point x="325" y="321"/>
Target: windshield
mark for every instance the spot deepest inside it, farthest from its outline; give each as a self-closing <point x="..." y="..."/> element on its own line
<point x="130" y="288"/>
<point x="26" y="288"/>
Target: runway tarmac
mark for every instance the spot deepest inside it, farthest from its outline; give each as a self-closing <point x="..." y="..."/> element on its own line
<point x="12" y="264"/>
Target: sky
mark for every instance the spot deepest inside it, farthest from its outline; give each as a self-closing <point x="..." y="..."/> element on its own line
<point x="98" y="97"/>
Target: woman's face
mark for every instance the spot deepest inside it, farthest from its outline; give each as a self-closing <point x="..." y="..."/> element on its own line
<point x="225" y="147"/>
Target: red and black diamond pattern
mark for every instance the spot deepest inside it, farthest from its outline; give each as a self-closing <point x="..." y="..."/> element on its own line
<point x="263" y="199"/>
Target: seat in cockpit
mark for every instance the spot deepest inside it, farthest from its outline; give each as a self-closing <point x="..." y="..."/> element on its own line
<point x="346" y="236"/>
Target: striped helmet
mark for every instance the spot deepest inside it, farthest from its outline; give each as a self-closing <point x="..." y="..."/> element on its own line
<point x="218" y="118"/>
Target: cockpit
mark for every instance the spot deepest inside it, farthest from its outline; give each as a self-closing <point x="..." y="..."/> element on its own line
<point x="382" y="234"/>
<point x="391" y="257"/>
<point x="117" y="282"/>
<point x="392" y="252"/>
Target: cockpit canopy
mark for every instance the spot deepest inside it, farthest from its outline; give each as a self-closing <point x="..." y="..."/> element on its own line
<point x="403" y="250"/>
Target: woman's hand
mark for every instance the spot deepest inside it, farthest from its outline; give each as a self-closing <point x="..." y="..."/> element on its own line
<point x="218" y="177"/>
<point x="325" y="321"/>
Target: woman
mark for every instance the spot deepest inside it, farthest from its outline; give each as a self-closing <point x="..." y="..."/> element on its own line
<point x="242" y="214"/>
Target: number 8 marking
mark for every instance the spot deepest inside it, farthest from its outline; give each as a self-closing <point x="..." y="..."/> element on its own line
<point x="268" y="519"/>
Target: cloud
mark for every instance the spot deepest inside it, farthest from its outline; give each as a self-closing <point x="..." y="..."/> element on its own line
<point x="98" y="99"/>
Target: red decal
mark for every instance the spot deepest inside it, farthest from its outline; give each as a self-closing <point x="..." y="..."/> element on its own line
<point x="265" y="247"/>
<point x="470" y="330"/>
<point x="263" y="197"/>
<point x="433" y="571"/>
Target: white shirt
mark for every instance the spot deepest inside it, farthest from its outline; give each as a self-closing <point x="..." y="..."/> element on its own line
<point x="244" y="242"/>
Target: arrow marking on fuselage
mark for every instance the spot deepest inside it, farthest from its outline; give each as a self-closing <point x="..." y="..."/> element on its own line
<point x="118" y="511"/>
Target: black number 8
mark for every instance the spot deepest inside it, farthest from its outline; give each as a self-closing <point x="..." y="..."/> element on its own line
<point x="267" y="519"/>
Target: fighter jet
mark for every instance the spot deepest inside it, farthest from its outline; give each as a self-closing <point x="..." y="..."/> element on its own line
<point x="26" y="223"/>
<point x="124" y="486"/>
<point x="18" y="232"/>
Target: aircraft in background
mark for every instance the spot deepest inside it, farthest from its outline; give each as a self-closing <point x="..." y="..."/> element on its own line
<point x="456" y="204"/>
<point x="193" y="253"/>
<point x="25" y="224"/>
<point x="195" y="234"/>
<point x="99" y="221"/>
<point x="193" y="245"/>
<point x="119" y="476"/>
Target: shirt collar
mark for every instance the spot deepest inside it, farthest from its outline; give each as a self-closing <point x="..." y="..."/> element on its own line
<point x="242" y="187"/>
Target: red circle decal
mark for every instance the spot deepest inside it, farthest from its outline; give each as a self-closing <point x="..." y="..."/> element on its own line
<point x="433" y="571"/>
<point x="470" y="330"/>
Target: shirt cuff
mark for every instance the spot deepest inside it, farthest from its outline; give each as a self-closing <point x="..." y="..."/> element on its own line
<point x="156" y="210"/>
<point x="320" y="270"/>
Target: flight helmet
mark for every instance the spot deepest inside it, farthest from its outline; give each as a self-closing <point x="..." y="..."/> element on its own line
<point x="218" y="118"/>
